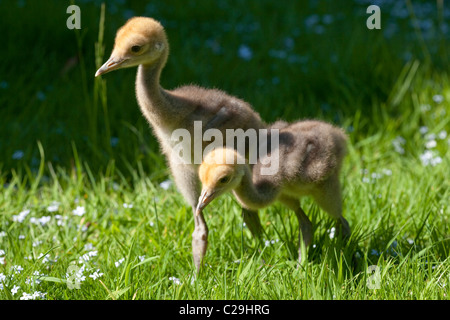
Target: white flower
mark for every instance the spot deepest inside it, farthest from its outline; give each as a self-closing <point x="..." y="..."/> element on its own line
<point x="2" y="252"/>
<point x="15" y="289"/>
<point x="438" y="98"/>
<point x="88" y="246"/>
<point x="128" y="205"/>
<point x="2" y="260"/>
<point x="430" y="158"/>
<point x="21" y="216"/>
<point x="118" y="263"/>
<point x="165" y="184"/>
<point x="34" y="296"/>
<point x="2" y="234"/>
<point x="92" y="253"/>
<point x="21" y="237"/>
<point x="84" y="258"/>
<point x="96" y="274"/>
<point x="141" y="258"/>
<point x="37" y="243"/>
<point x="26" y="296"/>
<point x="311" y="20"/>
<point x="44" y="220"/>
<point x="18" y="155"/>
<point x="38" y="294"/>
<point x="431" y="144"/>
<point x="435" y="161"/>
<point x="442" y="135"/>
<point x="332" y="232"/>
<point x="423" y="129"/>
<point x="398" y="143"/>
<point x="245" y="52"/>
<point x="17" y="268"/>
<point x="327" y="19"/>
<point x="54" y="206"/>
<point x="79" y="211"/>
<point x="114" y="141"/>
<point x="175" y="280"/>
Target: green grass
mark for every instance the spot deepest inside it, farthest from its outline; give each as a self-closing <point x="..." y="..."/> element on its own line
<point x="383" y="86"/>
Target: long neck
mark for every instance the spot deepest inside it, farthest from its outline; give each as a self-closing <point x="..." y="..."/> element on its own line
<point x="156" y="103"/>
<point x="254" y="196"/>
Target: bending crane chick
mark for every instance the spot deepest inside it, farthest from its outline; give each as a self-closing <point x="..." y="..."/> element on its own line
<point x="143" y="42"/>
<point x="310" y="156"/>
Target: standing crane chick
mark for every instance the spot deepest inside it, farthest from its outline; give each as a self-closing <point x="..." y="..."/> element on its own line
<point x="310" y="156"/>
<point x="142" y="43"/>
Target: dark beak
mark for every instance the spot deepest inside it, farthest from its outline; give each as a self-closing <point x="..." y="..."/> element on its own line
<point x="205" y="198"/>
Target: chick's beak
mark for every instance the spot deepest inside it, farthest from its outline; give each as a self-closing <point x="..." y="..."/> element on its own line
<point x="113" y="63"/>
<point x="206" y="197"/>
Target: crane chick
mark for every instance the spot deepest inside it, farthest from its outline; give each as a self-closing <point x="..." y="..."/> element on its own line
<point x="310" y="157"/>
<point x="142" y="42"/>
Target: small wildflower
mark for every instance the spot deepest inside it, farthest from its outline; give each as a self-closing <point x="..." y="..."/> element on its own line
<point x="311" y="20"/>
<point x="44" y="220"/>
<point x="141" y="258"/>
<point x="18" y="155"/>
<point x="53" y="207"/>
<point x="26" y="296"/>
<point x="175" y="280"/>
<point x="15" y="289"/>
<point x="398" y="143"/>
<point x="79" y="211"/>
<point x="332" y="232"/>
<point x="37" y="243"/>
<point x="118" y="263"/>
<point x="245" y="52"/>
<point x="84" y="258"/>
<point x="21" y="216"/>
<point x="165" y="184"/>
<point x="423" y="129"/>
<point x="2" y="234"/>
<point x="442" y="135"/>
<point x="17" y="269"/>
<point x="431" y="144"/>
<point x="96" y="274"/>
<point x="429" y="158"/>
<point x="128" y="205"/>
<point x="114" y="141"/>
<point x="438" y="98"/>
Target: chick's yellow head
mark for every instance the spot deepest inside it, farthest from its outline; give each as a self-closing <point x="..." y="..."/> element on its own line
<point x="141" y="40"/>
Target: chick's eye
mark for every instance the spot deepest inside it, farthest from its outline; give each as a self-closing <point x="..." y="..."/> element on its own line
<point x="135" y="49"/>
<point x="224" y="179"/>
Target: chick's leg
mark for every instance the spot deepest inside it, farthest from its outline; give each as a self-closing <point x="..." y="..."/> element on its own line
<point x="251" y="219"/>
<point x="188" y="183"/>
<point x="329" y="198"/>
<point x="305" y="226"/>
